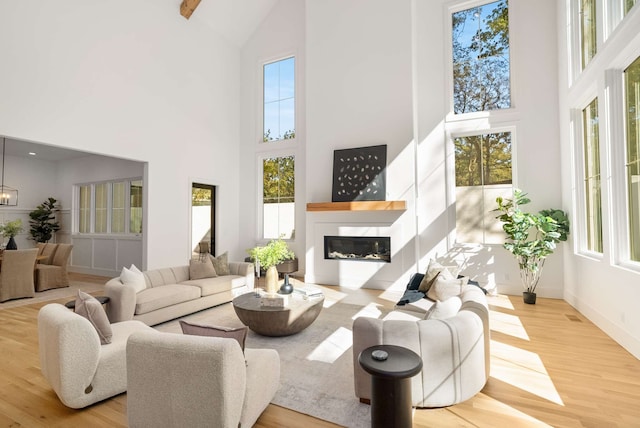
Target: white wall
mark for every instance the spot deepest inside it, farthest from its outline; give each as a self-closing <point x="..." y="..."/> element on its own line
<point x="133" y="80"/>
<point x="281" y="34"/>
<point x="599" y="286"/>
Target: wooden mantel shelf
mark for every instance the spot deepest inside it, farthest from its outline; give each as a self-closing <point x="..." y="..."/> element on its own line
<point x="358" y="206"/>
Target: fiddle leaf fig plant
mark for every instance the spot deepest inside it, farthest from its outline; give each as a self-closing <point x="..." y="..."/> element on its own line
<point x="531" y="237"/>
<point x="43" y="221"/>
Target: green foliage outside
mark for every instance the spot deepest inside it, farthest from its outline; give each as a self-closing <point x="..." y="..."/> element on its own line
<point x="290" y="134"/>
<point x="483" y="159"/>
<point x="278" y="180"/>
<point x="531" y="237"/>
<point x="43" y="221"/>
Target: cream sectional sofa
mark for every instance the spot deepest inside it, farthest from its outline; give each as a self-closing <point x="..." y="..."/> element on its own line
<point x="170" y="293"/>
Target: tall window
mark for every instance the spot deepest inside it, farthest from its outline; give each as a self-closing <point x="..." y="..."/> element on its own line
<point x="481" y="76"/>
<point x="587" y="30"/>
<point x="278" y="201"/>
<point x="592" y="181"/>
<point x="109" y="207"/>
<point x="483" y="172"/>
<point x="628" y="4"/>
<point x="632" y="107"/>
<point x="279" y="100"/>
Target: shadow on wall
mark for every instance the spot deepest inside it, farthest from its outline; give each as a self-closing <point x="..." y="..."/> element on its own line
<point x="475" y="261"/>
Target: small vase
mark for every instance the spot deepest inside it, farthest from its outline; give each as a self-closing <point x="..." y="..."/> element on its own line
<point x="271" y="280"/>
<point x="529" y="297"/>
<point x="11" y="244"/>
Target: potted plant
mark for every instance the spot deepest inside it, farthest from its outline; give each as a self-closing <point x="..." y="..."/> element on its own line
<point x="531" y="237"/>
<point x="11" y="229"/>
<point x="268" y="257"/>
<point x="43" y="221"/>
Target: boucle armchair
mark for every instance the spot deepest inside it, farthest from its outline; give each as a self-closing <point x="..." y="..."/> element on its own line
<point x="455" y="351"/>
<point x="179" y="380"/>
<point x="80" y="369"/>
<point x="16" y="276"/>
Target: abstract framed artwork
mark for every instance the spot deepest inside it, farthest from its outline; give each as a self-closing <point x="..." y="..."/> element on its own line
<point x="359" y="174"/>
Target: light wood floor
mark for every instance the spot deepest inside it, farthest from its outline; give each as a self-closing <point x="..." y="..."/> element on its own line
<point x="550" y="367"/>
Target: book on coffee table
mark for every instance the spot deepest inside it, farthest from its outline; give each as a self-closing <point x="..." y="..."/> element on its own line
<point x="309" y="291"/>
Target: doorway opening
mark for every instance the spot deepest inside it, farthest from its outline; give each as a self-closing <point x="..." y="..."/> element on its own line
<point x="203" y="224"/>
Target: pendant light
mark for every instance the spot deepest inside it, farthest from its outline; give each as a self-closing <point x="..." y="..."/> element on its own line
<point x="8" y="195"/>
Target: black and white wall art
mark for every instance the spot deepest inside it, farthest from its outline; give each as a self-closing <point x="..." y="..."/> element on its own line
<point x="359" y="174"/>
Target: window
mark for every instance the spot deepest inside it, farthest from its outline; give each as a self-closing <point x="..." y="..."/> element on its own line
<point x="592" y="181"/>
<point x="632" y="114"/>
<point x="587" y="31"/>
<point x="278" y="201"/>
<point x="279" y="100"/>
<point x="628" y="4"/>
<point x="106" y="207"/>
<point x="481" y="76"/>
<point x="482" y="172"/>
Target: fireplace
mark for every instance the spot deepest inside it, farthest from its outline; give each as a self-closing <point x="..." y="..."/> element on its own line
<point x="360" y="248"/>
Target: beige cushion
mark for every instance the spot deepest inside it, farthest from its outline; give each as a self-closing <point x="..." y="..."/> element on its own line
<point x="90" y="308"/>
<point x="221" y="264"/>
<point x="133" y="277"/>
<point x="238" y="333"/>
<point x="433" y="271"/>
<point x="167" y="295"/>
<point x="199" y="269"/>
<point x="442" y="310"/>
<point x="443" y="288"/>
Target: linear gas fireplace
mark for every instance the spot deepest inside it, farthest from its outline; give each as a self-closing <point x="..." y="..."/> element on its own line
<point x="363" y="248"/>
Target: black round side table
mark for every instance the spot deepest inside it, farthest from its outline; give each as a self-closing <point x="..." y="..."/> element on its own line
<point x="391" y="384"/>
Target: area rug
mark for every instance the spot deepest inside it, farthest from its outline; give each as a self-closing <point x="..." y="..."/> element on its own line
<point x="55" y="294"/>
<point x="316" y="364"/>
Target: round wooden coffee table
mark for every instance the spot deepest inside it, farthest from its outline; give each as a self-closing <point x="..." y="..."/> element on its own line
<point x="295" y="316"/>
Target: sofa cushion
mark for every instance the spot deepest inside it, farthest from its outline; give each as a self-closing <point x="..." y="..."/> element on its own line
<point x="443" y="288"/>
<point x="221" y="264"/>
<point x="90" y="308"/>
<point x="434" y="270"/>
<point x="167" y="295"/>
<point x="164" y="276"/>
<point x="199" y="269"/>
<point x="444" y="309"/>
<point x="133" y="277"/>
<point x="237" y="333"/>
<point x="218" y="284"/>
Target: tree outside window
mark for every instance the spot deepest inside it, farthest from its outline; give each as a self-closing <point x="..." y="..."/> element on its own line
<point x="593" y="196"/>
<point x="278" y="183"/>
<point x="481" y="72"/>
<point x="483" y="172"/>
<point x="587" y="31"/>
<point x="632" y="107"/>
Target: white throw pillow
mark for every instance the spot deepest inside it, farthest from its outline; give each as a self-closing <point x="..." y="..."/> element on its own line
<point x="444" y="288"/>
<point x="133" y="278"/>
<point x="434" y="270"/>
<point x="444" y="309"/>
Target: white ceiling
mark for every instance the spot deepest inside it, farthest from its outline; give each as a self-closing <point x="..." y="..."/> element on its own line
<point x="42" y="151"/>
<point x="236" y="20"/>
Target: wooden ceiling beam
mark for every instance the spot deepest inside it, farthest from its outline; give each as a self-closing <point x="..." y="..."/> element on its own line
<point x="187" y="7"/>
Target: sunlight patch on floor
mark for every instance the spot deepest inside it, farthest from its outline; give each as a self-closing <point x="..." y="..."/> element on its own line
<point x="522" y="369"/>
<point x="332" y="347"/>
<point x="508" y="324"/>
<point x="501" y="301"/>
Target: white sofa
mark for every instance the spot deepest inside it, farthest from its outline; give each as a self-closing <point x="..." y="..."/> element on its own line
<point x="455" y="351"/>
<point x="195" y="381"/>
<point x="170" y="294"/>
<point x="80" y="370"/>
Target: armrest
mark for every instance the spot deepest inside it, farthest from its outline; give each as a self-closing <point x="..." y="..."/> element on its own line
<point x="122" y="301"/>
<point x="245" y="269"/>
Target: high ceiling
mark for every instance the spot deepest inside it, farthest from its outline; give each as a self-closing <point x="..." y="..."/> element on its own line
<point x="236" y="20"/>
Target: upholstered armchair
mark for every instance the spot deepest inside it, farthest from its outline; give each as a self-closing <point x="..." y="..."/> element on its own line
<point x="54" y="274"/>
<point x="178" y="380"/>
<point x="16" y="276"/>
<point x="80" y="370"/>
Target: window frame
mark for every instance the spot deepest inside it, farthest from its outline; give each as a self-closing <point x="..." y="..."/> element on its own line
<point x="92" y="205"/>
<point x="260" y="122"/>
<point x="260" y="157"/>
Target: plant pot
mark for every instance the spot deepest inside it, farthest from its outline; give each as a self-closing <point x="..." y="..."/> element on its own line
<point x="11" y="244"/>
<point x="529" y="297"/>
<point x="271" y="280"/>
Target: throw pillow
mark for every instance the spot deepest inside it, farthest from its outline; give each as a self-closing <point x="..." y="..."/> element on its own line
<point x="199" y="269"/>
<point x="434" y="270"/>
<point x="239" y="333"/>
<point x="90" y="308"/>
<point x="221" y="264"/>
<point x="444" y="309"/>
<point x="444" y="288"/>
<point x="134" y="278"/>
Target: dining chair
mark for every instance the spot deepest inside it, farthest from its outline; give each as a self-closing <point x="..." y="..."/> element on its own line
<point x="16" y="275"/>
<point x="54" y="274"/>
